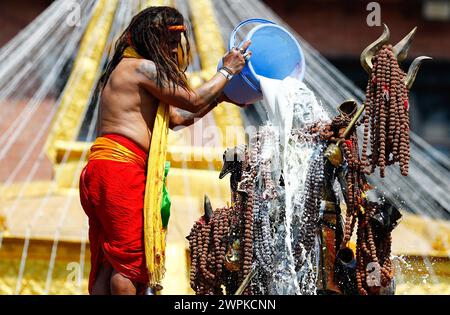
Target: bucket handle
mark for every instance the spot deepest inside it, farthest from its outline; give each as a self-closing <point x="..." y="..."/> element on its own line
<point x="232" y="42"/>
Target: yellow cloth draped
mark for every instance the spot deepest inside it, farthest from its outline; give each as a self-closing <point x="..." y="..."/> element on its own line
<point x="107" y="149"/>
<point x="154" y="232"/>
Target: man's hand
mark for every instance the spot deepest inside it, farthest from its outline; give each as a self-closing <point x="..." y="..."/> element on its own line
<point x="235" y="60"/>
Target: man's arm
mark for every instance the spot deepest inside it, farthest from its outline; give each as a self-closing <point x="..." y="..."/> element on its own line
<point x="192" y="101"/>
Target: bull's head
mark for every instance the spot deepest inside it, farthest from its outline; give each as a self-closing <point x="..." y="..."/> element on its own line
<point x="232" y="163"/>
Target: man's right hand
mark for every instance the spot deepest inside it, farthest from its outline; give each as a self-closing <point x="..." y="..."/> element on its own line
<point x="234" y="59"/>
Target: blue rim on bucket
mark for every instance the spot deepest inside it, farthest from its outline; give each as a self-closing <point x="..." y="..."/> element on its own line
<point x="245" y="87"/>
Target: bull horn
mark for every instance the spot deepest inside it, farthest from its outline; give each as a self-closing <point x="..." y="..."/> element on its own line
<point x="370" y="51"/>
<point x="413" y="69"/>
<point x="401" y="49"/>
<point x="207" y="208"/>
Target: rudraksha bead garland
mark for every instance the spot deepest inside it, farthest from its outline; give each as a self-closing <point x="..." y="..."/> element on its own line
<point x="310" y="218"/>
<point x="355" y="179"/>
<point x="370" y="248"/>
<point x="207" y="243"/>
<point x="252" y="202"/>
<point x="262" y="238"/>
<point x="386" y="118"/>
<point x="372" y="251"/>
<point x="356" y="183"/>
<point x="367" y="248"/>
<point x="208" y="240"/>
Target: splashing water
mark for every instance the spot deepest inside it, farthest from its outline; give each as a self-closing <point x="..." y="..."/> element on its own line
<point x="291" y="106"/>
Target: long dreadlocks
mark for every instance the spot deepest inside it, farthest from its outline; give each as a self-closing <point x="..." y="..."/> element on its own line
<point x="151" y="35"/>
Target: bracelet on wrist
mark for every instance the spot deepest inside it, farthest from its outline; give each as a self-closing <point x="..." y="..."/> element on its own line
<point x="225" y="73"/>
<point x="228" y="70"/>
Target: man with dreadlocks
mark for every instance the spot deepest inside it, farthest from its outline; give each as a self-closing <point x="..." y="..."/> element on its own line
<point x="144" y="92"/>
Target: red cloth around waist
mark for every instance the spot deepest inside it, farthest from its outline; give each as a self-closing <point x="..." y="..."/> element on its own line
<point x="112" y="196"/>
